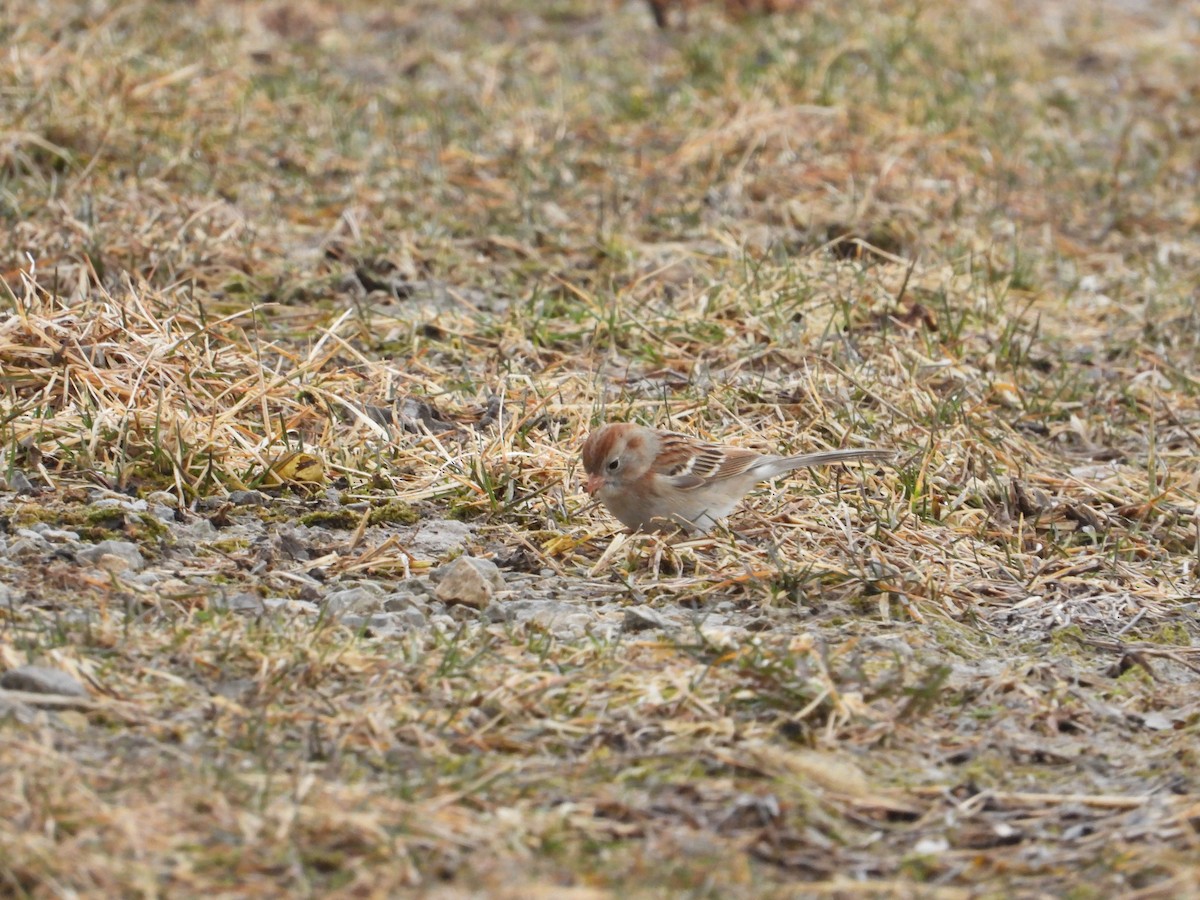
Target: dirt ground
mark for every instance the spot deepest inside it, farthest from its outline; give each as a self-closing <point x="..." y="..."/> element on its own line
<point x="307" y="308"/>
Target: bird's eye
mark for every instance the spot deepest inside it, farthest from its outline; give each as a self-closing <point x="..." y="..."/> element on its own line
<point x="613" y="465"/>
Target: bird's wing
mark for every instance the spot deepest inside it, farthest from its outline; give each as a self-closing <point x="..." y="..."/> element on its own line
<point x="690" y="463"/>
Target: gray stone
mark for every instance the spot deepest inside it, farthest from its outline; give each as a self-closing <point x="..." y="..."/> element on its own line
<point x="60" y="535"/>
<point x="411" y="618"/>
<point x="243" y="602"/>
<point x="402" y="600"/>
<point x="199" y="530"/>
<point x="163" y="513"/>
<point x="724" y="636"/>
<point x="468" y="581"/>
<point x="248" y="498"/>
<point x="27" y="538"/>
<point x="642" y="618"/>
<point x="19" y="482"/>
<point x="41" y="680"/>
<point x="436" y="538"/>
<point x="285" y="605"/>
<point x="460" y="612"/>
<point x="54" y="535"/>
<point x="376" y="622"/>
<point x="359" y="600"/>
<point x="125" y="504"/>
<point x="123" y="550"/>
<point x="558" y="617"/>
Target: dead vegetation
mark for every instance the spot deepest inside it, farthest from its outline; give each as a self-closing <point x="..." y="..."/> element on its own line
<point x="375" y="254"/>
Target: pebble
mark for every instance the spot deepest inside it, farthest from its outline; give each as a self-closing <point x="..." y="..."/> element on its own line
<point x="291" y="607"/>
<point x="468" y="581"/>
<point x="411" y="618"/>
<point x="42" y="680"/>
<point x="124" y="550"/>
<point x="164" y="514"/>
<point x="359" y="600"/>
<point x="244" y="602"/>
<point x="125" y="504"/>
<point x="643" y="618"/>
<point x="248" y="498"/>
<point x="403" y="600"/>
<point x="18" y="481"/>
<point x="28" y="539"/>
<point x="276" y="558"/>
<point x="199" y="530"/>
<point x="377" y="624"/>
<point x="437" y="538"/>
<point x="556" y="616"/>
<point x="54" y="535"/>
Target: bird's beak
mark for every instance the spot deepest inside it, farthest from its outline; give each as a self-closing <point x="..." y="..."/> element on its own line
<point x="594" y="483"/>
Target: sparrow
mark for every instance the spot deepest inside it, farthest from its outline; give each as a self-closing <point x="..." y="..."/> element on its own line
<point x="654" y="480"/>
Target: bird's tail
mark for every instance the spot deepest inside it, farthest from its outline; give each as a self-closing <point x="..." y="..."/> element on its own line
<point x="829" y="457"/>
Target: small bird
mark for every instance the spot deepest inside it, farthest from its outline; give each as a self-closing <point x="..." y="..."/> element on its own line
<point x="658" y="480"/>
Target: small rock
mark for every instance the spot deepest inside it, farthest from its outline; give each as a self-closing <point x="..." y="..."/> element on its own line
<point x="437" y="537"/>
<point x="469" y="581"/>
<point x="29" y="537"/>
<point x="163" y="513"/>
<point x="199" y="530"/>
<point x="411" y="618"/>
<point x="248" y="498"/>
<point x="125" y="550"/>
<point x="402" y="600"/>
<point x="642" y="618"/>
<point x="377" y="624"/>
<point x="112" y="563"/>
<point x="125" y="504"/>
<point x="461" y="613"/>
<point x="18" y="481"/>
<point x="292" y="545"/>
<point x="284" y="605"/>
<point x="560" y="618"/>
<point x="726" y="637"/>
<point x="245" y="602"/>
<point x="41" y="680"/>
<point x="54" y="535"/>
<point x="356" y="600"/>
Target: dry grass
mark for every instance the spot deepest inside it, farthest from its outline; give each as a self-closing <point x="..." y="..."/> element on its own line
<point x="426" y="249"/>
